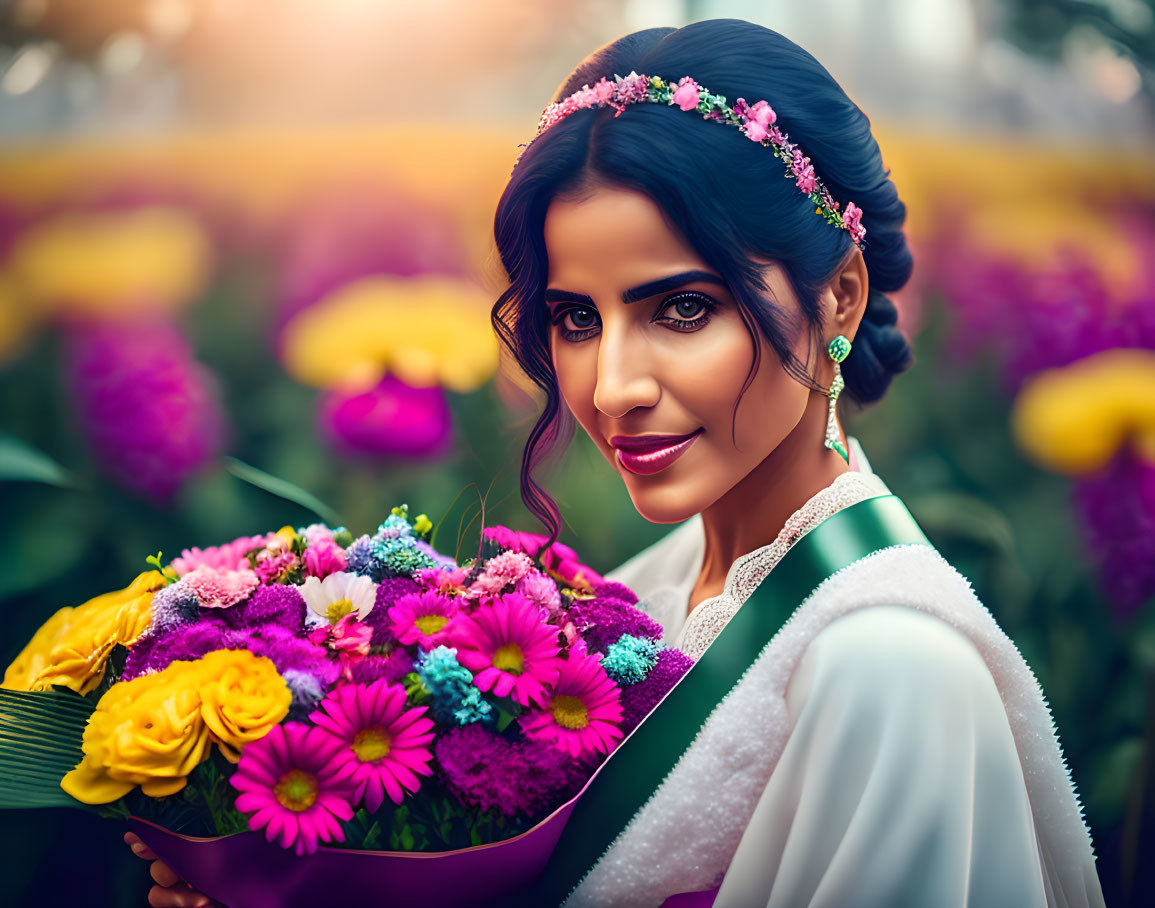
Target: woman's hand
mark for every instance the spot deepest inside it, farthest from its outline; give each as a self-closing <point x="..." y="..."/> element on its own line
<point x="170" y="890"/>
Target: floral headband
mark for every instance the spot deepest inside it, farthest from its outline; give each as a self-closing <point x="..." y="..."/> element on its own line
<point x="755" y="120"/>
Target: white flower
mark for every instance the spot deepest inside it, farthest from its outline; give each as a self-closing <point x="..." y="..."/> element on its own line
<point x="339" y="594"/>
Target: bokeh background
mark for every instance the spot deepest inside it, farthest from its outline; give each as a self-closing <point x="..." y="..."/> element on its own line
<point x="246" y="266"/>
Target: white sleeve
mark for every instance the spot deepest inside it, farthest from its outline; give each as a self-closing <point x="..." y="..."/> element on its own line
<point x="900" y="783"/>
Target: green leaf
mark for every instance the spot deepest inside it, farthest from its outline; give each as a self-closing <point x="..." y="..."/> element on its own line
<point x="282" y="488"/>
<point x="964" y="517"/>
<point x="20" y="462"/>
<point x="40" y="742"/>
<point x="504" y="719"/>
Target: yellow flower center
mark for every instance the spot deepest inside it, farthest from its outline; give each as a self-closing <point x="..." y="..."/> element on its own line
<point x="569" y="712"/>
<point x="338" y="610"/>
<point x="371" y="744"/>
<point x="297" y="790"/>
<point x="431" y="624"/>
<point x="509" y="658"/>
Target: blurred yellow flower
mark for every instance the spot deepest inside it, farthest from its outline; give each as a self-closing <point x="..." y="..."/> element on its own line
<point x="147" y="732"/>
<point x="16" y="317"/>
<point x="71" y="648"/>
<point x="108" y="262"/>
<point x="1072" y="420"/>
<point x="242" y="698"/>
<point x="428" y="330"/>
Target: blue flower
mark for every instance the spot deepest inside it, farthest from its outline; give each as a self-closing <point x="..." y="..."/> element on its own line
<point x="630" y="659"/>
<point x="399" y="555"/>
<point x="450" y="684"/>
<point x="363" y="561"/>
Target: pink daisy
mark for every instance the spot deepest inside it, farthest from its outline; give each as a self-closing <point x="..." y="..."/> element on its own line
<point x="508" y="649"/>
<point x="295" y="786"/>
<point x="385" y="743"/>
<point x="584" y="710"/>
<point x="221" y="587"/>
<point x="426" y="619"/>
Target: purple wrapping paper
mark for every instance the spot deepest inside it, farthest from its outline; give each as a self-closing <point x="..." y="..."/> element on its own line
<point x="246" y="871"/>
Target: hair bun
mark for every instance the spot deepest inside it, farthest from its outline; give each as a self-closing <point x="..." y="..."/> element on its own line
<point x="879" y="352"/>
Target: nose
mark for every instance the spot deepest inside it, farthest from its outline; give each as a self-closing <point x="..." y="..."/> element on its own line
<point x="626" y="374"/>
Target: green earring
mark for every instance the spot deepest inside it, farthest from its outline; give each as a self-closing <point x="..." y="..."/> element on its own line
<point x="838" y="349"/>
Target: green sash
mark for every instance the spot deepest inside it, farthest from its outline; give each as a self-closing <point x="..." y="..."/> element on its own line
<point x="642" y="762"/>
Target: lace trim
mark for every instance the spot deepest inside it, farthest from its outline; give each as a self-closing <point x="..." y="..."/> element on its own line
<point x="706" y="621"/>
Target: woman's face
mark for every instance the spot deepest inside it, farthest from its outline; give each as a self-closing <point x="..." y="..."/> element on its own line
<point x="651" y="353"/>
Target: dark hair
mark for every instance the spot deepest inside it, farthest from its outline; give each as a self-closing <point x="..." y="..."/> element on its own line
<point x="724" y="193"/>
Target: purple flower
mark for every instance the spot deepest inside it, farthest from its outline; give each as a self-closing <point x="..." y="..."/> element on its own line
<point x="146" y="407"/>
<point x="389" y="591"/>
<point x="1118" y="510"/>
<point x="393" y="419"/>
<point x="484" y="770"/>
<point x="611" y="589"/>
<point x="638" y="699"/>
<point x="277" y="603"/>
<point x="603" y="620"/>
<point x="391" y="668"/>
<point x="155" y="652"/>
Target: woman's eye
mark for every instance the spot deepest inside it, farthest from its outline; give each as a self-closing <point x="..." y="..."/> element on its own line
<point x="688" y="309"/>
<point x="576" y="323"/>
<point x="580" y="319"/>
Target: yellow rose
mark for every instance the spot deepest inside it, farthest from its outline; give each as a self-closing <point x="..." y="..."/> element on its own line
<point x="242" y="698"/>
<point x="72" y="647"/>
<point x="147" y="732"/>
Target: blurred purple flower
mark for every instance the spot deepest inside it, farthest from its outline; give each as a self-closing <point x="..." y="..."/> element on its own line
<point x="1032" y="319"/>
<point x="1117" y="507"/>
<point x="352" y="232"/>
<point x="147" y="408"/>
<point x="392" y="419"/>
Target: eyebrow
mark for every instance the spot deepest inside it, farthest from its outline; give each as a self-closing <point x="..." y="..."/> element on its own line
<point x="642" y="291"/>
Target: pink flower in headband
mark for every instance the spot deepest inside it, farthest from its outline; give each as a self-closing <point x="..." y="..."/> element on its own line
<point x="759" y="119"/>
<point x="852" y="218"/>
<point x="604" y="91"/>
<point x="686" y="96"/>
<point x="804" y="172"/>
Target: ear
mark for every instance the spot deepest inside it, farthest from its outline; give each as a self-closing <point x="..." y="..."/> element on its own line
<point x="845" y="298"/>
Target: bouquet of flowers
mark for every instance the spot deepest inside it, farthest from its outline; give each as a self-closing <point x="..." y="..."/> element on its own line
<point x="275" y="711"/>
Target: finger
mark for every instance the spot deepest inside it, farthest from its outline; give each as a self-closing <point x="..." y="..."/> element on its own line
<point x="163" y="874"/>
<point x="138" y="847"/>
<point x="163" y="897"/>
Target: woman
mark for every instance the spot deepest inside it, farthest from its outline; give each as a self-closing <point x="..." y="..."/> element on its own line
<point x="692" y="310"/>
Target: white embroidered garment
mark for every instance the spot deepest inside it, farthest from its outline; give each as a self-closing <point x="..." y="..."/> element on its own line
<point x="888" y="747"/>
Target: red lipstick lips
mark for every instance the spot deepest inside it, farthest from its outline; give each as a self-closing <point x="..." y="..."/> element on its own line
<point x="647" y="454"/>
